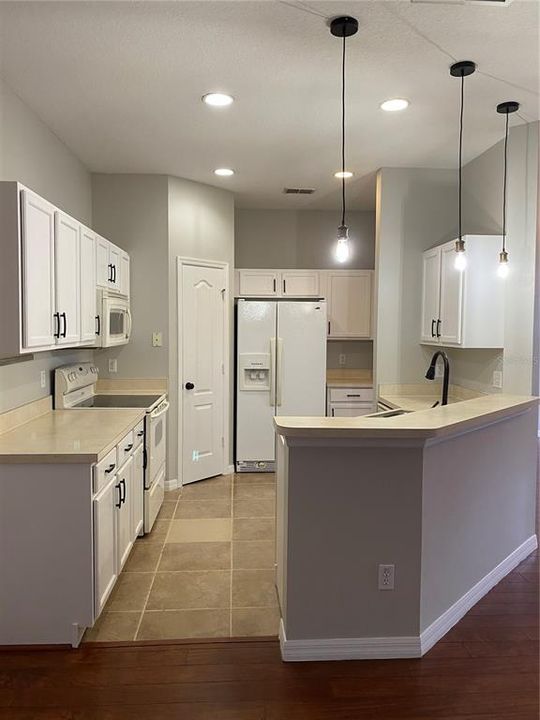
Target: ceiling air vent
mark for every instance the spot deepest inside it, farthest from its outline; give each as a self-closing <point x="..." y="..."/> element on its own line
<point x="298" y="191"/>
<point x="494" y="3"/>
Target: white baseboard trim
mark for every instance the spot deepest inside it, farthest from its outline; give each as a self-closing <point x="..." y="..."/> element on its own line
<point x="455" y="612"/>
<point x="172" y="484"/>
<point x="369" y="648"/>
<point x="382" y="648"/>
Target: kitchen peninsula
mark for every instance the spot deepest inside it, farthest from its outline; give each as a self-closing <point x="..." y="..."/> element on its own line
<point x="389" y="529"/>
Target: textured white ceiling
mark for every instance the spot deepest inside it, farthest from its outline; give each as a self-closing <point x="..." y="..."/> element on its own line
<point x="120" y="83"/>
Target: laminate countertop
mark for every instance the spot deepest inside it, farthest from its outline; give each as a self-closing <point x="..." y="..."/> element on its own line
<point x="446" y="420"/>
<point x="349" y="377"/>
<point x="68" y="436"/>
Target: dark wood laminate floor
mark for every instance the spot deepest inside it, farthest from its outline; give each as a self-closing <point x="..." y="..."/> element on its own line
<point x="486" y="668"/>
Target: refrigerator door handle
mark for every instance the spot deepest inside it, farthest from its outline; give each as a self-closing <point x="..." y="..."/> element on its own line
<point x="279" y="366"/>
<point x="272" y="383"/>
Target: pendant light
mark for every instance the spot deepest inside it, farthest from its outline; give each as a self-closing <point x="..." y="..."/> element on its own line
<point x="343" y="27"/>
<point x="461" y="70"/>
<point x="505" y="108"/>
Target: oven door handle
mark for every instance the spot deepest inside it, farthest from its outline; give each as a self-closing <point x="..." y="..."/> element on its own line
<point x="160" y="410"/>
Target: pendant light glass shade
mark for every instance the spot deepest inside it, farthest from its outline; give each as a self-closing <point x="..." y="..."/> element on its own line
<point x="343" y="27"/>
<point x="461" y="70"/>
<point x="505" y="108"/>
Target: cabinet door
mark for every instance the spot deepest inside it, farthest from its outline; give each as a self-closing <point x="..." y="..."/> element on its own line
<point x="137" y="515"/>
<point x="37" y="244"/>
<point x="124" y="535"/>
<point x="431" y="288"/>
<point x="124" y="274"/>
<point x="115" y="255"/>
<point x="350" y="409"/>
<point x="105" y="568"/>
<point x="258" y="283"/>
<point x="103" y="267"/>
<point x="451" y="305"/>
<point x="88" y="286"/>
<point x="66" y="278"/>
<point x="349" y="304"/>
<point x="300" y="284"/>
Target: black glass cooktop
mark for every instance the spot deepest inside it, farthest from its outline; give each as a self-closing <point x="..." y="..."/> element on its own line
<point x="120" y="401"/>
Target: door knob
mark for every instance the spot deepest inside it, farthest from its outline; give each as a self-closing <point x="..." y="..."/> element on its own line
<point x="189" y="386"/>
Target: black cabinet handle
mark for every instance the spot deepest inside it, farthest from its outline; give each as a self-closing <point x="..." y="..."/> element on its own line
<point x="110" y="469"/>
<point x="329" y="327"/>
<point x="128" y="447"/>
<point x="438" y="328"/>
<point x="123" y="491"/>
<point x="64" y="318"/>
<point x="140" y="433"/>
<point x="118" y="486"/>
<point x="274" y="284"/>
<point x="189" y="386"/>
<point x="110" y="272"/>
<point x="56" y="324"/>
<point x="114" y="273"/>
<point x="284" y="286"/>
<point x="98" y="325"/>
<point x="332" y="412"/>
<point x="357" y="395"/>
<point x="433" y="328"/>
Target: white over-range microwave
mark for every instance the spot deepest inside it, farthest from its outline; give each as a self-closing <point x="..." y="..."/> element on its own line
<point x="113" y="321"/>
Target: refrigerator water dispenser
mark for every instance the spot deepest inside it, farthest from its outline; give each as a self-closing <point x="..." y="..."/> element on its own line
<point x="254" y="371"/>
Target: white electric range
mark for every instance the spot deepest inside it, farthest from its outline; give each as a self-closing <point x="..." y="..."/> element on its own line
<point x="75" y="388"/>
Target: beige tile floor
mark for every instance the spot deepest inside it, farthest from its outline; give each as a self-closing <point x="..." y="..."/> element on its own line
<point x="205" y="570"/>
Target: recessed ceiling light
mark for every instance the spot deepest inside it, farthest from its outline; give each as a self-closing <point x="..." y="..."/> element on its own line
<point x="218" y="99"/>
<point x="394" y="105"/>
<point x="343" y="174"/>
<point x="224" y="172"/>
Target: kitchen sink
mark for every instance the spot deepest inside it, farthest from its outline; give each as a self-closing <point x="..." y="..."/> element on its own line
<point x="389" y="413"/>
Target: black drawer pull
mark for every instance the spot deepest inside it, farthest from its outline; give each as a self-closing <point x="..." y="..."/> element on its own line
<point x="128" y="447"/>
<point x="357" y="395"/>
<point x="140" y="433"/>
<point x="110" y="469"/>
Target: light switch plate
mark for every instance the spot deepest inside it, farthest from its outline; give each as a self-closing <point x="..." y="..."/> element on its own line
<point x="157" y="339"/>
<point x="497" y="381"/>
<point x="113" y="365"/>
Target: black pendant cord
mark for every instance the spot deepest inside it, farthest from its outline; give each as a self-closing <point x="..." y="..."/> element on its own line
<point x="343" y="133"/>
<point x="460" y="233"/>
<point x="504" y="186"/>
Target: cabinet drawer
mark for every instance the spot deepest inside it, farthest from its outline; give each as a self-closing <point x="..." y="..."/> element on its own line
<point x="350" y="409"/>
<point x="350" y="394"/>
<point x="104" y="470"/>
<point x="138" y="434"/>
<point x="125" y="448"/>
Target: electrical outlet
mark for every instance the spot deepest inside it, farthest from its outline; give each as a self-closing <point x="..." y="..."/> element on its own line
<point x="386" y="577"/>
<point x="113" y="365"/>
<point x="157" y="339"/>
<point x="497" y="381"/>
<point x="342" y="359"/>
<point x="43" y="379"/>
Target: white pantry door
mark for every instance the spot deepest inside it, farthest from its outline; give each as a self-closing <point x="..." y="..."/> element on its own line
<point x="203" y="311"/>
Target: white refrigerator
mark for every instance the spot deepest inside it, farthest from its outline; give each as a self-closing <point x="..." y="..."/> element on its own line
<point x="280" y="370"/>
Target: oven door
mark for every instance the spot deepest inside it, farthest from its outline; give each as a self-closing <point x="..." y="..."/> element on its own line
<point x="156" y="439"/>
<point x="116" y="322"/>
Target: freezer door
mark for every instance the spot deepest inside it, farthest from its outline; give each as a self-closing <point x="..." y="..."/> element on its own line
<point x="301" y="359"/>
<point x="255" y="367"/>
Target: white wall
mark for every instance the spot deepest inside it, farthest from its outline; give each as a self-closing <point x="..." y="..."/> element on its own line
<point x="301" y="238"/>
<point x="201" y="225"/>
<point x="32" y="154"/>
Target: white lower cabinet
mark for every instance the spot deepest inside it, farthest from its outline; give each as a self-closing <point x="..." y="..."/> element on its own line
<point x="124" y="513"/>
<point x="105" y="572"/>
<point x="138" y="491"/>
<point x="349" y="402"/>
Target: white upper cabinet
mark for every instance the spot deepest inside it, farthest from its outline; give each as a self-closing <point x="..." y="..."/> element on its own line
<point x="37" y="243"/>
<point x="103" y="266"/>
<point x="66" y="279"/>
<point x="112" y="267"/>
<point x="258" y="283"/>
<point x="88" y="285"/>
<point x="124" y="274"/>
<point x="349" y="303"/>
<point x="463" y="308"/>
<point x="115" y="255"/>
<point x="300" y="283"/>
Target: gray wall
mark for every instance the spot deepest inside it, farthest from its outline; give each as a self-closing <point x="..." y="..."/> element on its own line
<point x="416" y="209"/>
<point x="32" y="154"/>
<point x="300" y="239"/>
<point x="201" y="225"/>
<point x="358" y="354"/>
<point x="132" y="211"/>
